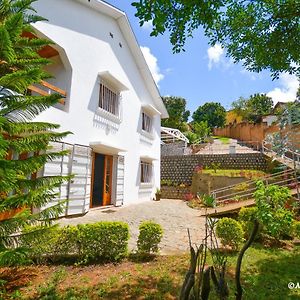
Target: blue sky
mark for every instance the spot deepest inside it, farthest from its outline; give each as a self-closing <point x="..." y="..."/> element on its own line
<point x="202" y="73"/>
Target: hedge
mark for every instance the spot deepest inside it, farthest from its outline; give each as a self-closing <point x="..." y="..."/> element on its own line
<point x="149" y="237"/>
<point x="230" y="233"/>
<point x="102" y="241"/>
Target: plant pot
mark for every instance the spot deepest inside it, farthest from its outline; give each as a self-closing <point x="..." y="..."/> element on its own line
<point x="157" y="197"/>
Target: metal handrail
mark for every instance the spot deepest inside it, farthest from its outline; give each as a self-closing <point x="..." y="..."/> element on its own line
<point x="285" y="172"/>
<point x="252" y="189"/>
<point x="244" y="193"/>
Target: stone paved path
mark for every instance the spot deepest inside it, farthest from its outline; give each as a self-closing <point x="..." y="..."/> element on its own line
<point x="173" y="215"/>
<point x="217" y="147"/>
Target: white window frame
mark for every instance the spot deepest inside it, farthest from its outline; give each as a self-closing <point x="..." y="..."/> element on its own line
<point x="109" y="99"/>
<point x="146" y="173"/>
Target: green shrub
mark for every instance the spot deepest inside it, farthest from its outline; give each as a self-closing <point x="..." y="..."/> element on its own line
<point x="230" y="232"/>
<point x="271" y="201"/>
<point x="40" y="242"/>
<point x="102" y="241"/>
<point x="208" y="200"/>
<point x="106" y="241"/>
<point x="296" y="229"/>
<point x="67" y="243"/>
<point x="247" y="215"/>
<point x="149" y="237"/>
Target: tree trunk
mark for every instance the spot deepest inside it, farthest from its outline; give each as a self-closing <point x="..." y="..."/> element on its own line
<point x="239" y="289"/>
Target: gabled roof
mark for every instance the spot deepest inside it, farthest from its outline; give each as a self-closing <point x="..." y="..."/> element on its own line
<point x="129" y="36"/>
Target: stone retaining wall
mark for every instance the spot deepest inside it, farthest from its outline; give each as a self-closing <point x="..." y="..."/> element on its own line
<point x="180" y="168"/>
<point x="172" y="192"/>
<point x="173" y="149"/>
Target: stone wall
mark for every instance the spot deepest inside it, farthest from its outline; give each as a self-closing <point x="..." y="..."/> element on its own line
<point x="173" y="192"/>
<point x="172" y="149"/>
<point x="205" y="183"/>
<point x="180" y="169"/>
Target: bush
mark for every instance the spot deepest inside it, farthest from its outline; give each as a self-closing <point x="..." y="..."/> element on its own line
<point x="40" y="242"/>
<point x="230" y="233"/>
<point x="149" y="237"/>
<point x="102" y="241"/>
<point x="296" y="229"/>
<point x="247" y="215"/>
<point x="208" y="201"/>
<point x="105" y="241"/>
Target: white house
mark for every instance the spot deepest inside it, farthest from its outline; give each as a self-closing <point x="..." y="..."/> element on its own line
<point x="111" y="104"/>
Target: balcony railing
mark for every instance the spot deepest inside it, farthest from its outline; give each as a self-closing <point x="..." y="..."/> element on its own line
<point x="45" y="88"/>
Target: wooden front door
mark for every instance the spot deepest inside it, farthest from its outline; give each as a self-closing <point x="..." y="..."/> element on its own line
<point x="107" y="183"/>
<point x="101" y="180"/>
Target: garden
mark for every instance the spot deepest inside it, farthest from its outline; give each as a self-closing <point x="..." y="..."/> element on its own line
<point x="92" y="261"/>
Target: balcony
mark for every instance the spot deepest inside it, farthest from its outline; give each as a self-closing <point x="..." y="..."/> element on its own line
<point x="45" y="89"/>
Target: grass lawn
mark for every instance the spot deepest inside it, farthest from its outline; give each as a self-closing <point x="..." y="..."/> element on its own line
<point x="223" y="139"/>
<point x="235" y="173"/>
<point x="266" y="274"/>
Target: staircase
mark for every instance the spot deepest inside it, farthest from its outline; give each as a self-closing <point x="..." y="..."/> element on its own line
<point x="290" y="158"/>
<point x="244" y="191"/>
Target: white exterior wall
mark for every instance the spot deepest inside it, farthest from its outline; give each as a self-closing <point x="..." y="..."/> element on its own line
<point x="84" y="36"/>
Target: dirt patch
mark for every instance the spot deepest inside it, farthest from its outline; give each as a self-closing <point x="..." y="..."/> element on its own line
<point x="114" y="281"/>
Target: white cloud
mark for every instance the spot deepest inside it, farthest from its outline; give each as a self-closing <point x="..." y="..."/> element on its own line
<point x="288" y="89"/>
<point x="147" y="25"/>
<point x="215" y="54"/>
<point x="152" y="64"/>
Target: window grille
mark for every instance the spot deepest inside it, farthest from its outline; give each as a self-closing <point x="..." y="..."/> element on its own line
<point x="108" y="100"/>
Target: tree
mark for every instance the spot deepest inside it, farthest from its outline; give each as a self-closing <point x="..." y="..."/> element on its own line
<point x="260" y="34"/>
<point x="201" y="129"/>
<point x="254" y="108"/>
<point x="178" y="115"/>
<point x="26" y="142"/>
<point x="211" y="112"/>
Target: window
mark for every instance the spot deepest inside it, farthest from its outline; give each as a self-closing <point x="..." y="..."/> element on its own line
<point x="146" y="122"/>
<point x="108" y="99"/>
<point x="146" y="172"/>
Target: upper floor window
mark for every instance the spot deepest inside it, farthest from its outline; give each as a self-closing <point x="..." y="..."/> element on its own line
<point x="146" y="122"/>
<point x="146" y="172"/>
<point x="109" y="99"/>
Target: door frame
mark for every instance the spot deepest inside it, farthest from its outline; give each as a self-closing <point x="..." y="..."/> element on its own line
<point x="112" y="179"/>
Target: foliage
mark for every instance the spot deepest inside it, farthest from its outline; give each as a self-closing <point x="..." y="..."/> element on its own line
<point x="201" y="129"/>
<point x="25" y="141"/>
<point x="250" y="174"/>
<point x="243" y="186"/>
<point x="230" y="233"/>
<point x="102" y="241"/>
<point x="296" y="229"/>
<point x="211" y="112"/>
<point x="286" y="139"/>
<point x="106" y="241"/>
<point x="178" y="115"/>
<point x="215" y="166"/>
<point x="290" y="115"/>
<point x="167" y="182"/>
<point x="196" y="285"/>
<point x="158" y="279"/>
<point x="254" y="108"/>
<point x="247" y="216"/>
<point x="259" y="34"/>
<point x="224" y="140"/>
<point x="271" y="212"/>
<point x="149" y="237"/>
<point x="192" y="137"/>
<point x="208" y="200"/>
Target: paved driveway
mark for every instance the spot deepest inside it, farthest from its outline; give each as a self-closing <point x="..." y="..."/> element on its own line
<point x="173" y="215"/>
